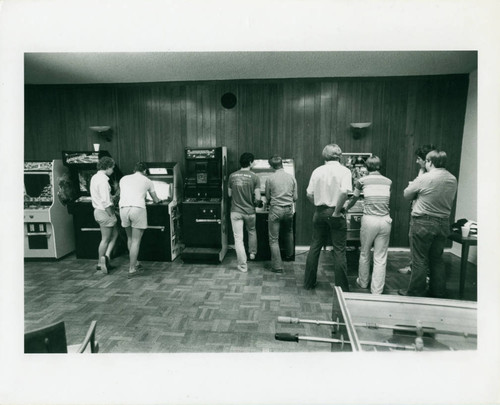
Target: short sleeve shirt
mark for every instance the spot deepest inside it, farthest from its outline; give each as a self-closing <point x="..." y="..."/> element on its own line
<point x="435" y="191"/>
<point x="377" y="193"/>
<point x="243" y="184"/>
<point x="281" y="188"/>
<point x="133" y="190"/>
<point x="328" y="181"/>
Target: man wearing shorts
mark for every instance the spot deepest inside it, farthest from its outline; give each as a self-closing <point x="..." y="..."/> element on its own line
<point x="133" y="190"/>
<point x="104" y="213"/>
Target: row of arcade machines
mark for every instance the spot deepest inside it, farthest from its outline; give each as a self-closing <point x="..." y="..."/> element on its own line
<point x="50" y="230"/>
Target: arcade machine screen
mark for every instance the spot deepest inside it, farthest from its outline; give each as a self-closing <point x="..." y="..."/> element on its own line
<point x="37" y="186"/>
<point x="84" y="177"/>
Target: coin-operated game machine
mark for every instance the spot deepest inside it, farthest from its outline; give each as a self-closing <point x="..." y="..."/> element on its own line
<point x="161" y="240"/>
<point x="204" y="209"/>
<point x="355" y="162"/>
<point x="48" y="227"/>
<point x="262" y="169"/>
<point x="82" y="166"/>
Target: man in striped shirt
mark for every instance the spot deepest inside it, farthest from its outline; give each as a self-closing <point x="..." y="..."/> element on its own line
<point x="375" y="225"/>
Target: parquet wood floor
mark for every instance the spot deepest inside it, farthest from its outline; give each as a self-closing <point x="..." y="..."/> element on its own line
<point x="181" y="307"/>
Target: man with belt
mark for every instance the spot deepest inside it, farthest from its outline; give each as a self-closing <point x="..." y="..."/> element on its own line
<point x="327" y="190"/>
<point x="434" y="193"/>
<point x="244" y="190"/>
<point x="133" y="214"/>
<point x="281" y="193"/>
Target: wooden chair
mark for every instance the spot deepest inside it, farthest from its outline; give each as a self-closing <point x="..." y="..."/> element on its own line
<point x="52" y="339"/>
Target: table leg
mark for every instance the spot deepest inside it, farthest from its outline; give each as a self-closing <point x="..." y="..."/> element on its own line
<point x="463" y="267"/>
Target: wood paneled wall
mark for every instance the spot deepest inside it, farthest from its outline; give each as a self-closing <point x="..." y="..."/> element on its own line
<point x="294" y="118"/>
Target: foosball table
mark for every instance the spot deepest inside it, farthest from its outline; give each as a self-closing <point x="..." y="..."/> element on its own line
<point x="365" y="322"/>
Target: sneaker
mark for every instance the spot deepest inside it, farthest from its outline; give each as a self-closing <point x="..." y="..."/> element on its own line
<point x="277" y="270"/>
<point x="405" y="270"/>
<point x="243" y="269"/>
<point x="252" y="256"/>
<point x="139" y="266"/>
<point x="102" y="265"/>
<point x="359" y="284"/>
<point x="402" y="292"/>
<point x="108" y="263"/>
<point x="136" y="273"/>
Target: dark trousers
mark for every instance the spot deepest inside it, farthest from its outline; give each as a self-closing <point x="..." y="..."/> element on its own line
<point x="325" y="225"/>
<point x="428" y="239"/>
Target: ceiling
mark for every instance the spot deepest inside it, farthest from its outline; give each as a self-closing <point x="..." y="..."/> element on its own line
<point x="137" y="67"/>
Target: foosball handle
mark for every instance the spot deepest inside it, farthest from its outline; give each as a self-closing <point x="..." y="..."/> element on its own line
<point x="286" y="337"/>
<point x="287" y="319"/>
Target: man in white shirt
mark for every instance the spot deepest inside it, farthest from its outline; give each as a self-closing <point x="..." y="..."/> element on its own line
<point x="327" y="190"/>
<point x="133" y="190"/>
<point x="104" y="212"/>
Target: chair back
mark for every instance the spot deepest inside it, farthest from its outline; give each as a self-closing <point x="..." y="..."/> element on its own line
<point x="50" y="339"/>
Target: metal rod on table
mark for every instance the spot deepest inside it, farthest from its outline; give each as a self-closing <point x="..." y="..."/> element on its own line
<point x="287" y="319"/>
<point x="287" y="337"/>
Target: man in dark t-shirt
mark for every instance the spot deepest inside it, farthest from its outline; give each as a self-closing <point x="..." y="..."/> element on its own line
<point x="244" y="189"/>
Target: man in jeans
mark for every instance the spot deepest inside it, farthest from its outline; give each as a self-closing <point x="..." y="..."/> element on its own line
<point x="327" y="190"/>
<point x="281" y="193"/>
<point x="434" y="192"/>
<point x="244" y="190"/>
<point x="421" y="153"/>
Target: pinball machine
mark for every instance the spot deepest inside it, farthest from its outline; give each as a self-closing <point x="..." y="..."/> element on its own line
<point x="355" y="162"/>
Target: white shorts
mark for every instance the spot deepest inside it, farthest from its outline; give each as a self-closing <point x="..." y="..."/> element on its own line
<point x="103" y="218"/>
<point x="134" y="217"/>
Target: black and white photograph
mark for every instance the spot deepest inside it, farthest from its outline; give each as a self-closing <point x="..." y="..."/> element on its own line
<point x="256" y="202"/>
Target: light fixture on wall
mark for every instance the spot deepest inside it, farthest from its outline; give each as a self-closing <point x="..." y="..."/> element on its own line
<point x="358" y="129"/>
<point x="102" y="130"/>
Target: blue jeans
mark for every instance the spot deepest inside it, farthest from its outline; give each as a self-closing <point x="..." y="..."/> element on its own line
<point x="280" y="218"/>
<point x="428" y="239"/>
<point x="238" y="221"/>
<point x="323" y="225"/>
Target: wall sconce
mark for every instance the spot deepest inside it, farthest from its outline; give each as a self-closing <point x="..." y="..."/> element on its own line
<point x="102" y="130"/>
<point x="358" y="129"/>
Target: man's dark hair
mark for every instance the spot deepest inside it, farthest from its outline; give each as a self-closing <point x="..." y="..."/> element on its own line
<point x="422" y="151"/>
<point x="105" y="163"/>
<point x="246" y="159"/>
<point x="140" y="167"/>
<point x="275" y="162"/>
<point x="438" y="158"/>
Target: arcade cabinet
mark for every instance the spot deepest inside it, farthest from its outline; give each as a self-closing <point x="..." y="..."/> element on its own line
<point x="82" y="166"/>
<point x="48" y="228"/>
<point x="161" y="241"/>
<point x="204" y="209"/>
<point x="262" y="169"/>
